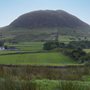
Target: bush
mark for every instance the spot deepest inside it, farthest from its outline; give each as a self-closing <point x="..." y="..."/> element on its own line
<point x="79" y="44"/>
<point x="50" y="45"/>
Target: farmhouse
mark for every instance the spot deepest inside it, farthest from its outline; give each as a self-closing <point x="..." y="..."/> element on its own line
<point x="2" y="48"/>
<point x="8" y="48"/>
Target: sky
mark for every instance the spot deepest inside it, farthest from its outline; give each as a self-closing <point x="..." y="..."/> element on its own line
<point x="11" y="9"/>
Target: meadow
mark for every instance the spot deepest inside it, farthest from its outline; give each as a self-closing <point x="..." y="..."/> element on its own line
<point x="27" y="46"/>
<point x="26" y="77"/>
<point x="45" y="85"/>
<point x="31" y="68"/>
<point x="48" y="58"/>
<point x="32" y="53"/>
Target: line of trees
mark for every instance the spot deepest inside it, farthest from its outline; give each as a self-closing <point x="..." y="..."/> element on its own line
<point x="73" y="49"/>
<point x="49" y="45"/>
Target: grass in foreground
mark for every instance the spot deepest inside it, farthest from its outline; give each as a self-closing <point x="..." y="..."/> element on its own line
<point x="8" y="84"/>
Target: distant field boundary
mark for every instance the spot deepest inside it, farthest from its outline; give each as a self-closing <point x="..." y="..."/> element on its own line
<point x="46" y="66"/>
<point x="23" y="52"/>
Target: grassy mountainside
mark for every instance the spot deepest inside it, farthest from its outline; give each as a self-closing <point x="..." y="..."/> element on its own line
<point x="42" y="34"/>
<point x="43" y="25"/>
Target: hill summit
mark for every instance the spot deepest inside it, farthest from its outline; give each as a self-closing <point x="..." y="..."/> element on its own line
<point x="48" y="18"/>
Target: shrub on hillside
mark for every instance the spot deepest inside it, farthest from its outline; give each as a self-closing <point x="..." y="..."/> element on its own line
<point x="50" y="45"/>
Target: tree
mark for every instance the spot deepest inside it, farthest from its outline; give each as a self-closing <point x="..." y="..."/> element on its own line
<point x="53" y="44"/>
<point x="77" y="53"/>
<point x="6" y="47"/>
<point x="85" y="59"/>
<point x="50" y="45"/>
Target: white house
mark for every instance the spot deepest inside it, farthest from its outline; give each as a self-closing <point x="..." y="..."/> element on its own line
<point x="2" y="48"/>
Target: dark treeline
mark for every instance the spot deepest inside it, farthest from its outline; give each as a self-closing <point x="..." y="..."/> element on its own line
<point x="73" y="44"/>
<point x="73" y="49"/>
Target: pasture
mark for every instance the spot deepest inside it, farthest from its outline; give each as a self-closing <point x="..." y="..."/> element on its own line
<point x="48" y="58"/>
<point x="27" y="46"/>
<point x="36" y="69"/>
<point x="16" y="77"/>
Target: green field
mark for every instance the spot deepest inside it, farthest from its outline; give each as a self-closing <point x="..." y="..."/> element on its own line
<point x="27" y="46"/>
<point x="87" y="50"/>
<point x="39" y="68"/>
<point x="49" y="58"/>
<point x="24" y="47"/>
<point x="52" y="58"/>
<point x="32" y="46"/>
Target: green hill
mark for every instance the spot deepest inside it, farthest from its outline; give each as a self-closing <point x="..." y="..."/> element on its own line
<point x="43" y="25"/>
<point x="48" y="18"/>
<point x="42" y="34"/>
